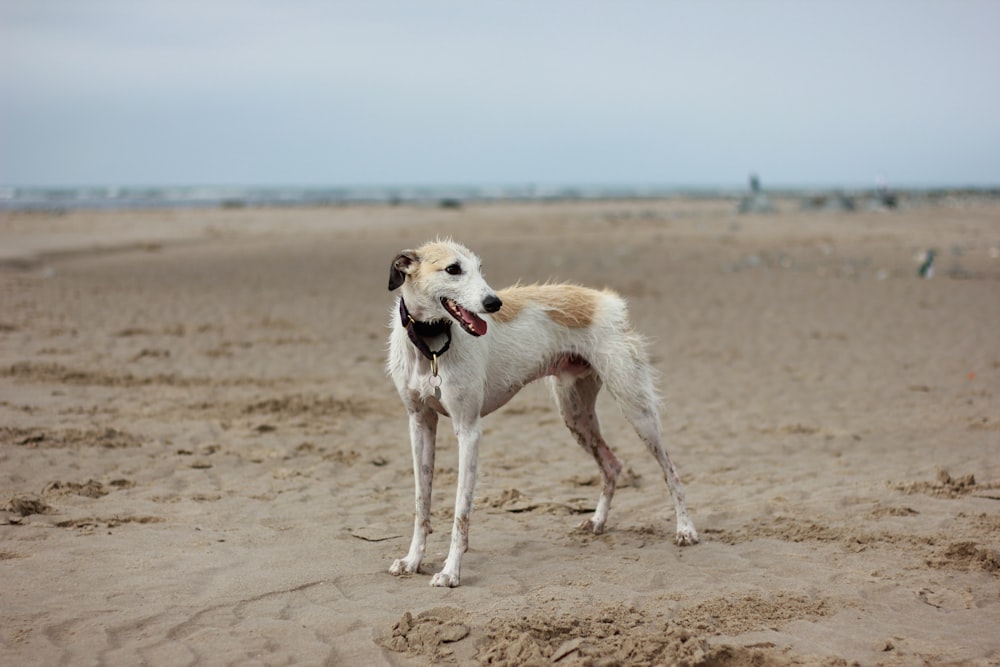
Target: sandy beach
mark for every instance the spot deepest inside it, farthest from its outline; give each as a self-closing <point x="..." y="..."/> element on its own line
<point x="202" y="461"/>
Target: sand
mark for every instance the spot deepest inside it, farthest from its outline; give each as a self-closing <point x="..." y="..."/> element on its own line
<point x="202" y="461"/>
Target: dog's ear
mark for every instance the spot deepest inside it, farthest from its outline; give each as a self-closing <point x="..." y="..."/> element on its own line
<point x="400" y="267"/>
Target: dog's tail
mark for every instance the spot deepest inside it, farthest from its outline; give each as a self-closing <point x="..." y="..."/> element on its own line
<point x="621" y="359"/>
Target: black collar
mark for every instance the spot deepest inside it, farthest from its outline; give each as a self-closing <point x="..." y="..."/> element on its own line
<point x="419" y="331"/>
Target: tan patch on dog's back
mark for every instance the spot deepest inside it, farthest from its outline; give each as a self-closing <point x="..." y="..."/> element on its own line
<point x="568" y="305"/>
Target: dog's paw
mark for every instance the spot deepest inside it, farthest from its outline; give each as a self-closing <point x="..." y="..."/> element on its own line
<point x="403" y="566"/>
<point x="444" y="580"/>
<point x="591" y="526"/>
<point x="686" y="534"/>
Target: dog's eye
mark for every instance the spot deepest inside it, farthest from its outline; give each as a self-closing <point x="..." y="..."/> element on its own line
<point x="454" y="270"/>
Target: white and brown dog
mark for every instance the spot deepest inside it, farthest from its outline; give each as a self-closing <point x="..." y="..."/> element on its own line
<point x="579" y="338"/>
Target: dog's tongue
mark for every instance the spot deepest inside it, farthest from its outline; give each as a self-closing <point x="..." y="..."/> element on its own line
<point x="477" y="323"/>
<point x="471" y="322"/>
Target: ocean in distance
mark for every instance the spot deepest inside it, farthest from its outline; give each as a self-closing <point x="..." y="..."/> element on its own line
<point x="27" y="199"/>
<point x="122" y="198"/>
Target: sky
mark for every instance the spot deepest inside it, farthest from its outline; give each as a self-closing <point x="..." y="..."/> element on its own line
<point x="377" y="92"/>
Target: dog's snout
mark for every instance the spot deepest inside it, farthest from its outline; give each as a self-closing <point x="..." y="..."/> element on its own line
<point x="492" y="303"/>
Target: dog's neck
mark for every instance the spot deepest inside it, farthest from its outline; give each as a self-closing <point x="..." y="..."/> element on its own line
<point x="419" y="332"/>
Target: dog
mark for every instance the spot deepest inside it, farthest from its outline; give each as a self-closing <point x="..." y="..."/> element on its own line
<point x="458" y="348"/>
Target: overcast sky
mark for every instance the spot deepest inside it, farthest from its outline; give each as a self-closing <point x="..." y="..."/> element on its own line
<point x="255" y="92"/>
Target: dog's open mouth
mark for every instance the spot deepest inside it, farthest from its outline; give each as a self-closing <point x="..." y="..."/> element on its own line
<point x="471" y="322"/>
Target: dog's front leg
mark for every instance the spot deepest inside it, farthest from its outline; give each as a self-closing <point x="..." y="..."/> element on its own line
<point x="469" y="435"/>
<point x="423" y="428"/>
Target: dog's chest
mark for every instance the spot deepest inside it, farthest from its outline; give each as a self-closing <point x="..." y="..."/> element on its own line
<point x="413" y="375"/>
<point x="426" y="389"/>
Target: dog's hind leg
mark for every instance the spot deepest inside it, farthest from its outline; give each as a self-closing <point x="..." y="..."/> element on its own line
<point x="423" y="429"/>
<point x="577" y="400"/>
<point x="632" y="385"/>
<point x="647" y="424"/>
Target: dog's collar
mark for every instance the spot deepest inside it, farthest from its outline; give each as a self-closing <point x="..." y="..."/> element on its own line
<point x="419" y="331"/>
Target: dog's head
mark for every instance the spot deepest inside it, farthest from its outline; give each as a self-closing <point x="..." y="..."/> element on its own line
<point x="444" y="279"/>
